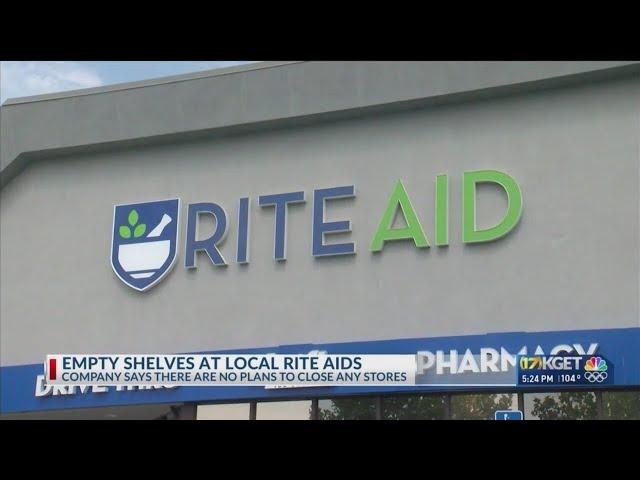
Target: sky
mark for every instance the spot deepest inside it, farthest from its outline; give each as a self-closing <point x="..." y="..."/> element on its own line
<point x="21" y="79"/>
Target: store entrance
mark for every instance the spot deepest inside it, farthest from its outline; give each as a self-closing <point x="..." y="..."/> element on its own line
<point x="570" y="405"/>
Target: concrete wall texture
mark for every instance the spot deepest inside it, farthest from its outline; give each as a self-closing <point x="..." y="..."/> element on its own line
<point x="572" y="262"/>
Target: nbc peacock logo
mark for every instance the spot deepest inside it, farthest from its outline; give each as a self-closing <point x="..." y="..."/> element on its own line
<point x="596" y="370"/>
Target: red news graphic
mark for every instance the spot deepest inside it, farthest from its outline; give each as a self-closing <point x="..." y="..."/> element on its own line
<point x="51" y="371"/>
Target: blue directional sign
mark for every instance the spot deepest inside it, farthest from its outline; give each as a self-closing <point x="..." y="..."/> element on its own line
<point x="508" y="415"/>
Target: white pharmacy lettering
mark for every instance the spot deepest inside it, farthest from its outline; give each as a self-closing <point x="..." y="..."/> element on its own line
<point x="487" y="361"/>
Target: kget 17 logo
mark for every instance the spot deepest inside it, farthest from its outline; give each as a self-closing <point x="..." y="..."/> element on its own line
<point x="539" y="362"/>
<point x="564" y="370"/>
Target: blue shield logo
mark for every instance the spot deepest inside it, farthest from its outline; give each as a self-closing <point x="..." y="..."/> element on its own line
<point x="144" y="241"/>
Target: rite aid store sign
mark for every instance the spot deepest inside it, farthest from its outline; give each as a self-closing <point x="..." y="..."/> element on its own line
<point x="144" y="243"/>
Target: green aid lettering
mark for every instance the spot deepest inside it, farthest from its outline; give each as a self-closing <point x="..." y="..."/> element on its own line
<point x="514" y="205"/>
<point x="442" y="210"/>
<point x="413" y="229"/>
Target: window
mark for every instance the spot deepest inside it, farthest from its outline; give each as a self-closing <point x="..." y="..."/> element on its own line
<point x="229" y="411"/>
<point x="481" y="406"/>
<point x="363" y="408"/>
<point x="621" y="405"/>
<point x="414" y="407"/>
<point x="296" y="410"/>
<point x="577" y="405"/>
<point x="561" y="406"/>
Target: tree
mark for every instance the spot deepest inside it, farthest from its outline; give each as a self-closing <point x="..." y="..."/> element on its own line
<point x="621" y="405"/>
<point x="414" y="407"/>
<point x="349" y="409"/>
<point x="583" y="406"/>
<point x="566" y="406"/>
<point x="479" y="407"/>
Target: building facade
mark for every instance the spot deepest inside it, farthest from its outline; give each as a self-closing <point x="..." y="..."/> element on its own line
<point x="288" y="181"/>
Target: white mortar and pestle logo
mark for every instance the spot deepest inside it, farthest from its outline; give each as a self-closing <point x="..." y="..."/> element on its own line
<point x="143" y="259"/>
